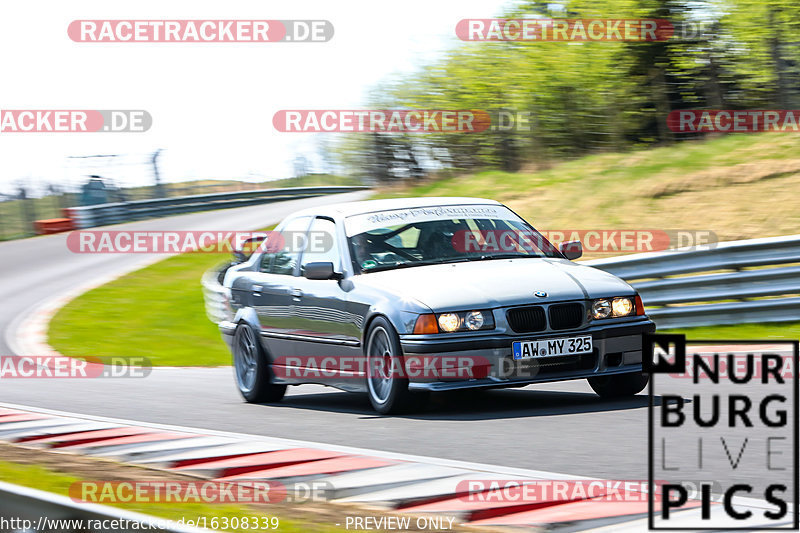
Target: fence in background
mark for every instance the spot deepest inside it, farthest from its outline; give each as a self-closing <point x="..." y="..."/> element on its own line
<point x="19" y="213"/>
<point x="730" y="283"/>
<point x="115" y="213"/>
<point x="22" y="215"/>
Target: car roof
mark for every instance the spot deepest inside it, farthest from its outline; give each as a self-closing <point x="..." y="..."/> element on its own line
<point x="347" y="209"/>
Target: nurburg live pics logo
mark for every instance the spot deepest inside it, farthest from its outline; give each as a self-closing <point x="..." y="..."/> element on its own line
<point x="728" y="415"/>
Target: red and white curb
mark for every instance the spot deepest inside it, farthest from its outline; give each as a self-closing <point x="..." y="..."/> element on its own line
<point x="392" y="481"/>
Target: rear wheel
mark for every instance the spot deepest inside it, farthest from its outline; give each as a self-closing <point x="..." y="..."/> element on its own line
<point x="619" y="385"/>
<point x="387" y="389"/>
<point x="251" y="368"/>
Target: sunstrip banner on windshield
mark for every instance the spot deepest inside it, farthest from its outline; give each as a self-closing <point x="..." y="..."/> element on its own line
<point x="382" y="219"/>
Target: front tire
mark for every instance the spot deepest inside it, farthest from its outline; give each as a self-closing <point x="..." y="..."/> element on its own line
<point x="388" y="391"/>
<point x="619" y="385"/>
<point x="251" y="368"/>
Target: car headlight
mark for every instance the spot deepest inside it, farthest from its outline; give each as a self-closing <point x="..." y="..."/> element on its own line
<point x="614" y="307"/>
<point x="474" y="320"/>
<point x="601" y="308"/>
<point x="449" y="322"/>
<point x="622" y="306"/>
<point x="455" y="321"/>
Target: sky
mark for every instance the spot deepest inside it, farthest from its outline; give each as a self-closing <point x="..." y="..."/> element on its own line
<point x="212" y="103"/>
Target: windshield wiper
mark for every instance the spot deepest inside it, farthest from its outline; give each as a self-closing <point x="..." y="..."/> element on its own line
<point x="489" y="257"/>
<point x="414" y="263"/>
<point x="444" y="261"/>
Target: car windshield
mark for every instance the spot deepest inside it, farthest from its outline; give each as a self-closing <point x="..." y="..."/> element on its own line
<point x="445" y="234"/>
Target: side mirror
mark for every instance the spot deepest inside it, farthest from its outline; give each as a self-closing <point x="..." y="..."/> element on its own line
<point x="320" y="270"/>
<point x="571" y="250"/>
<point x="247" y="247"/>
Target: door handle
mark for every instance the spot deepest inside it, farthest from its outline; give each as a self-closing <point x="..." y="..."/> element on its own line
<point x="256" y="290"/>
<point x="296" y="294"/>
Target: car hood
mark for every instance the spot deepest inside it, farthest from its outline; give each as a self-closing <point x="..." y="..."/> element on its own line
<point x="497" y="283"/>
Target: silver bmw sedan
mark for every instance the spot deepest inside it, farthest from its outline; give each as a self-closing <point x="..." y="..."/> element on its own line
<point x="400" y="298"/>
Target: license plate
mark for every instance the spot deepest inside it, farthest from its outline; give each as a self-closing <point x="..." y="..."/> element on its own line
<point x="552" y="347"/>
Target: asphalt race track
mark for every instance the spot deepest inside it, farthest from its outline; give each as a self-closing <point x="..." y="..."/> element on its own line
<point x="561" y="427"/>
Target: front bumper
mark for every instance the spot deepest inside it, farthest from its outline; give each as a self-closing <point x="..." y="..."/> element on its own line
<point x="487" y="361"/>
<point x="227" y="329"/>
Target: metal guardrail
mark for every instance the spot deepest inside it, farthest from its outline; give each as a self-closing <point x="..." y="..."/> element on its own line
<point x="46" y="512"/>
<point x="681" y="288"/>
<point x="115" y="213"/>
<point x="675" y="298"/>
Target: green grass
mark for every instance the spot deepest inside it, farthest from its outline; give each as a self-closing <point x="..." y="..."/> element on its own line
<point x="41" y="478"/>
<point x="777" y="331"/>
<point x="157" y="312"/>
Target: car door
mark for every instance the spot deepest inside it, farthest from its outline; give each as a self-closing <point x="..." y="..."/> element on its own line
<point x="325" y="328"/>
<point x="271" y="288"/>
